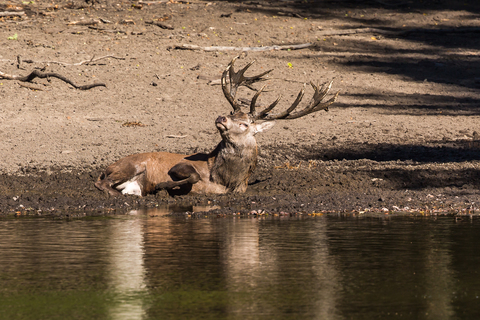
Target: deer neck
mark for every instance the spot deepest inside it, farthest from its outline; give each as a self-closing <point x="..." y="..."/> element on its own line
<point x="231" y="165"/>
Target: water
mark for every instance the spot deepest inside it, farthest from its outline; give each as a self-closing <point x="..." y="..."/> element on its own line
<point x="147" y="266"/>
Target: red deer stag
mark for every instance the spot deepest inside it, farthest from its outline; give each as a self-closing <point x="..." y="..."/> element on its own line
<point x="228" y="167"/>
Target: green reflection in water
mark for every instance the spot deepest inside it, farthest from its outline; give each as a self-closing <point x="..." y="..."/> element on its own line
<point x="146" y="266"/>
<point x="55" y="305"/>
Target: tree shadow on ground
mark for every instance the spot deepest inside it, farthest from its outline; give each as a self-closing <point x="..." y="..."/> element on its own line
<point x="441" y="60"/>
<point x="321" y="8"/>
<point x="416" y="104"/>
<point x="442" y="54"/>
<point x="418" y="179"/>
<point x="435" y="152"/>
<point x="395" y="166"/>
<point x="464" y="72"/>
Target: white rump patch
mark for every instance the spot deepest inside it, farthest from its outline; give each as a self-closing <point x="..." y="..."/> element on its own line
<point x="130" y="187"/>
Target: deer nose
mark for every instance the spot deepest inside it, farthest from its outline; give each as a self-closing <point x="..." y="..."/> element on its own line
<point x="221" y="119"/>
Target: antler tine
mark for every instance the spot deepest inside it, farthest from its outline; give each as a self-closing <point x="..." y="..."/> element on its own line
<point x="226" y="92"/>
<point x="240" y="73"/>
<point x="319" y="94"/>
<point x="263" y="115"/>
<point x="254" y="101"/>
<point x="324" y="106"/>
<point x="236" y="80"/>
<point x="257" y="77"/>
<point x="314" y="105"/>
<point x="260" y="115"/>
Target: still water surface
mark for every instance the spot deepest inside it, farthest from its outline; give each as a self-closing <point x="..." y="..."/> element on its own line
<point x="145" y="266"/>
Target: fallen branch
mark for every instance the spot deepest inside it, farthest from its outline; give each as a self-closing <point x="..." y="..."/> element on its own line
<point x="161" y="25"/>
<point x="133" y="124"/>
<point x="175" y="136"/>
<point x="289" y="14"/>
<point x="267" y="48"/>
<point x="38" y="74"/>
<point x="107" y="30"/>
<point x="84" y="62"/>
<point x="12" y="13"/>
<point x="83" y="23"/>
<point x="355" y="31"/>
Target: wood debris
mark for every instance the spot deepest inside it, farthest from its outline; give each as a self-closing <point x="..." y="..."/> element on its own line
<point x="133" y="124"/>
<point x="12" y="13"/>
<point x="84" y="22"/>
<point x="161" y="25"/>
<point x="39" y="74"/>
<point x="266" y="48"/>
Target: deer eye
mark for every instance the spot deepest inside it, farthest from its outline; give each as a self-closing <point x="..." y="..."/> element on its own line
<point x="244" y="125"/>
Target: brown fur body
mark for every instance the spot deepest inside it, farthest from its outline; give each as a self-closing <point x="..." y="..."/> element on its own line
<point x="226" y="169"/>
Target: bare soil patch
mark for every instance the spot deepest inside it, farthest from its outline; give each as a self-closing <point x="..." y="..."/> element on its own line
<point x="404" y="134"/>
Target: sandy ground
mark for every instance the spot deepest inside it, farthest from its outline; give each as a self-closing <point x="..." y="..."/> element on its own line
<point x="404" y="134"/>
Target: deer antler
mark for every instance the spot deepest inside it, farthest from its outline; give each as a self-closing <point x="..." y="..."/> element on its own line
<point x="237" y="79"/>
<point x="314" y="105"/>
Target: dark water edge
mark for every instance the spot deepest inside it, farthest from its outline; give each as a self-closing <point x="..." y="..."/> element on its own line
<point x="144" y="265"/>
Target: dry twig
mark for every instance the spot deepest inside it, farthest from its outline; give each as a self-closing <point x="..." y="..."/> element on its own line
<point x="107" y="30"/>
<point x="175" y="136"/>
<point x="267" y="48"/>
<point x="84" y="62"/>
<point x="38" y="74"/>
<point x="133" y="124"/>
<point x="12" y="13"/>
<point x="343" y="32"/>
<point x="84" y="22"/>
<point x="161" y="25"/>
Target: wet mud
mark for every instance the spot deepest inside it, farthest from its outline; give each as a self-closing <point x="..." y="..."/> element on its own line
<point x="404" y="135"/>
<point x="294" y="187"/>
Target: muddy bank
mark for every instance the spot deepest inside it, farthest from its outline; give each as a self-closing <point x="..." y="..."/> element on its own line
<point x="292" y="186"/>
<point x="403" y="135"/>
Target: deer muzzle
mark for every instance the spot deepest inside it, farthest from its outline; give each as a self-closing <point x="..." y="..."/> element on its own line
<point x="221" y="122"/>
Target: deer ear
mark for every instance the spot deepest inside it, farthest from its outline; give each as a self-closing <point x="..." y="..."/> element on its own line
<point x="264" y="126"/>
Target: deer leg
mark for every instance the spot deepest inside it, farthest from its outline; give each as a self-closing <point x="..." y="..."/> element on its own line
<point x="105" y="184"/>
<point x="182" y="174"/>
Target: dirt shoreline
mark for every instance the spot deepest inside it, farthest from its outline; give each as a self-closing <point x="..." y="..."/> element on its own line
<point x="404" y="135"/>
